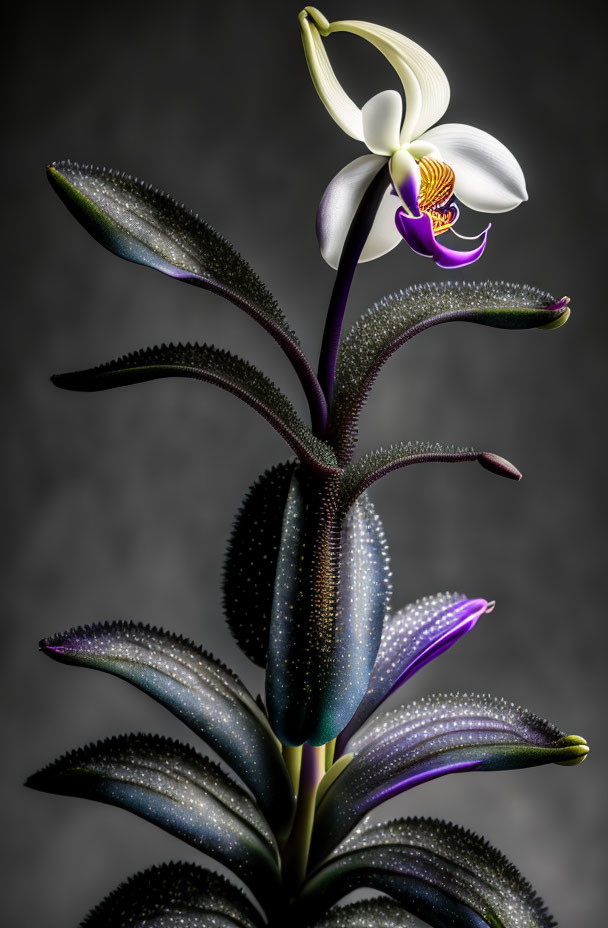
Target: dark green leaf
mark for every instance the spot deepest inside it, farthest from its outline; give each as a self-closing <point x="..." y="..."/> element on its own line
<point x="251" y="561"/>
<point x="331" y="594"/>
<point x="199" y="690"/>
<point x="437" y="871"/>
<point x="146" y="226"/>
<point x="172" y="786"/>
<point x="397" y="318"/>
<point x="371" y="467"/>
<point x="429" y="738"/>
<point x="211" y="365"/>
<point x="175" y="896"/>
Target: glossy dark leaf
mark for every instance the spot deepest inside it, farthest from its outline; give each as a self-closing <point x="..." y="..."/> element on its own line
<point x="331" y="595"/>
<point x="176" y="895"/>
<point x="397" y="318"/>
<point x="199" y="690"/>
<point x="429" y="738"/>
<point x="144" y="225"/>
<point x="211" y="365"/>
<point x="437" y="871"/>
<point x="371" y="913"/>
<point x="174" y="787"/>
<point x="251" y="561"/>
<point x="371" y="467"/>
<point x="410" y="639"/>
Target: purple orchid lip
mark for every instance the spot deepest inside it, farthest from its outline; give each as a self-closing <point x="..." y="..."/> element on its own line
<point x="474" y="610"/>
<point x="418" y="233"/>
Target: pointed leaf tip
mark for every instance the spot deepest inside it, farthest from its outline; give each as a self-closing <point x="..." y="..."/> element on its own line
<point x="431" y="737"/>
<point x="199" y="690"/>
<point x="141" y="224"/>
<point x="497" y="465"/>
<point x="562" y="313"/>
<point x="216" y="366"/>
<point x="172" y="786"/>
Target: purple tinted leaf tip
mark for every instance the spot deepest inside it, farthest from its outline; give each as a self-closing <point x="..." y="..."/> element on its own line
<point x="498" y="465"/>
<point x="562" y="312"/>
<point x="474" y="609"/>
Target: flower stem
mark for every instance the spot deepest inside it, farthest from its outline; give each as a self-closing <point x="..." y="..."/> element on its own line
<point x="330" y="750"/>
<point x="293" y="761"/>
<point x="295" y="857"/>
<point x="351" y="252"/>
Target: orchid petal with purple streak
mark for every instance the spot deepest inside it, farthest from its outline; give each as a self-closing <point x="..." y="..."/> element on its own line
<point x="411" y="638"/>
<point x="418" y="233"/>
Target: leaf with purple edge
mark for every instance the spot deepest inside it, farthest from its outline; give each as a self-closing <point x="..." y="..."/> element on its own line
<point x="411" y="638"/>
<point x="219" y="367"/>
<point x="199" y="690"/>
<point x="172" y="786"/>
<point x="429" y="738"/>
<point x="359" y="476"/>
<point x="144" y="225"/>
<point x="437" y="871"/>
<point x="394" y="320"/>
<point x="175" y="894"/>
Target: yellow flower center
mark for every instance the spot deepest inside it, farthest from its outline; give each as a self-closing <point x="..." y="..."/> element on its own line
<point x="436" y="191"/>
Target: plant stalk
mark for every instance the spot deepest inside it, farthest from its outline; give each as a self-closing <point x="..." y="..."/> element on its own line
<point x="293" y="761"/>
<point x="353" y="246"/>
<point x="295" y="857"/>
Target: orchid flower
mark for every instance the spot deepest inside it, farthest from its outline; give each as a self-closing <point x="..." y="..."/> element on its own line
<point x="430" y="168"/>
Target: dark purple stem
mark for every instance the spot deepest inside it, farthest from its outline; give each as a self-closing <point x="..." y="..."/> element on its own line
<point x="353" y="246"/>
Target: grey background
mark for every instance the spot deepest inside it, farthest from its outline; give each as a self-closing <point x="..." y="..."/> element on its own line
<point x="119" y="504"/>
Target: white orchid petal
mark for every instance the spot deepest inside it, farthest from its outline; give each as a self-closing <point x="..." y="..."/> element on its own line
<point x="338" y="104"/>
<point x="488" y="178"/>
<point x="427" y="91"/>
<point x="339" y="205"/>
<point x="382" y="121"/>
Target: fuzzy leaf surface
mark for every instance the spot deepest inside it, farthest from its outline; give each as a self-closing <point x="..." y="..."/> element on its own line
<point x="411" y="638"/>
<point x="216" y="366"/>
<point x="251" y="561"/>
<point x="377" y="464"/>
<point x="144" y="225"/>
<point x="398" y="317"/>
<point x="199" y="690"/>
<point x="441" y="873"/>
<point x="371" y="913"/>
<point x="172" y="786"/>
<point x="331" y="594"/>
<point x="428" y="738"/>
<point x="176" y="895"/>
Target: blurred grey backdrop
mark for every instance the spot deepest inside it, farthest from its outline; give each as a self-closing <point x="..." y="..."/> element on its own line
<point x="120" y="504"/>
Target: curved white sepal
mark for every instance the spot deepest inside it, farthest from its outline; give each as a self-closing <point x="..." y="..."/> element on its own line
<point x="427" y="91"/>
<point x="338" y="104"/>
<point x="339" y="205"/>
<point x="488" y="177"/>
<point x="382" y="122"/>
